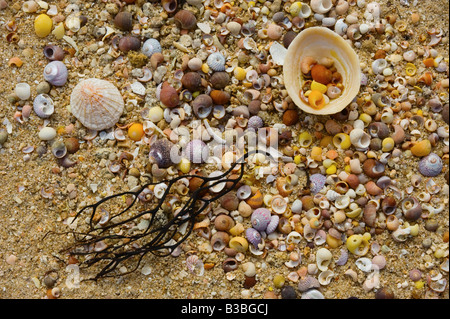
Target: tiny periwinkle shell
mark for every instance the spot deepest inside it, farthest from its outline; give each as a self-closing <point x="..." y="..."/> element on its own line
<point x="56" y="73"/>
<point x="160" y="153"/>
<point x="47" y="133"/>
<point x="59" y="149"/>
<point x="260" y="218"/>
<point x="150" y="47"/>
<point x="431" y="165"/>
<point x="255" y="122"/>
<point x="253" y="236"/>
<point x="197" y="151"/>
<point x="216" y="61"/>
<point x="43" y="106"/>
<point x="317" y="182"/>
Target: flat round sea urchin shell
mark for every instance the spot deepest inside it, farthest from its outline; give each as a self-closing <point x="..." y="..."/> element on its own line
<point x="96" y="103"/>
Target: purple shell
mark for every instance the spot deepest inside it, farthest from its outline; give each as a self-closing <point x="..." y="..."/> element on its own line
<point x="160" y="153"/>
<point x="273" y="224"/>
<point x="342" y="258"/>
<point x="255" y="122"/>
<point x="260" y="218"/>
<point x="430" y="165"/>
<point x="253" y="236"/>
<point x="197" y="151"/>
<point x="317" y="182"/>
<point x="56" y="73"/>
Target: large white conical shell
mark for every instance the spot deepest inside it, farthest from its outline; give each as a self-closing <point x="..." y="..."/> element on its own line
<point x="96" y="103"/>
<point x="320" y="42"/>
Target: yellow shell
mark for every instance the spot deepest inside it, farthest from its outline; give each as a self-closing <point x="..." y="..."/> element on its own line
<point x="240" y="244"/>
<point x="43" y="25"/>
<point x="358" y="244"/>
<point x="322" y="42"/>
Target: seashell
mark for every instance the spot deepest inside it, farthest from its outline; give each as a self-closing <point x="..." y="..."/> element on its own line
<point x="129" y="43"/>
<point x="23" y="91"/>
<point x="343" y="257"/>
<point x="322" y="42"/>
<point x="219" y="240"/>
<point x="96" y="103"/>
<point x="317" y="182"/>
<point x="168" y="95"/>
<point x="273" y="224"/>
<point x="53" y="52"/>
<point x="401" y="234"/>
<point x="229" y="264"/>
<point x="378" y="262"/>
<point x="373" y="168"/>
<point x="370" y="214"/>
<point x="150" y="47"/>
<point x="378" y="129"/>
<point x="364" y="264"/>
<point x="220" y="97"/>
<point x="360" y="139"/>
<point x="56" y="73"/>
<point x="156" y="59"/>
<point x="323" y="259"/>
<point x="379" y="65"/>
<point x="352" y="274"/>
<point x="411" y="208"/>
<point x="312" y="294"/>
<point x="124" y="21"/>
<point x="320" y="237"/>
<point x="297" y="206"/>
<point x="278" y="204"/>
<point x="293" y="237"/>
<point x="244" y="192"/>
<point x="431" y="165"/>
<point x="284" y="189"/>
<point x="169" y="5"/>
<point x="308" y="282"/>
<point x="192" y="81"/>
<point x="255" y="122"/>
<point x="260" y="219"/>
<point x="202" y="105"/>
<point x="253" y="236"/>
<point x="197" y="151"/>
<point x="59" y="149"/>
<point x="256" y="200"/>
<point x="240" y="244"/>
<point x="223" y="222"/>
<point x="219" y="80"/>
<point x="438" y="285"/>
<point x="216" y="61"/>
<point x="342" y="202"/>
<point x="325" y="277"/>
<point x="195" y="265"/>
<point x="321" y="6"/>
<point x="185" y="19"/>
<point x="160" y="152"/>
<point x="389" y="205"/>
<point x="43" y="105"/>
<point x="47" y="133"/>
<point x="340" y="27"/>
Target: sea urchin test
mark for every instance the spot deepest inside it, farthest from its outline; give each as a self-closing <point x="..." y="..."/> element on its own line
<point x="321" y="71"/>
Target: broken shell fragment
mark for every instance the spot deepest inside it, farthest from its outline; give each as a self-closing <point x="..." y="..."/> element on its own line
<point x="321" y="42"/>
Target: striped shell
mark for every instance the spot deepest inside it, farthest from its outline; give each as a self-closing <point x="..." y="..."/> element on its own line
<point x="216" y="61"/>
<point x="342" y="258"/>
<point x="260" y="218"/>
<point x="253" y="236"/>
<point x="317" y="182"/>
<point x="307" y="283"/>
<point x="273" y="224"/>
<point x="96" y="103"/>
<point x="195" y="265"/>
<point x="322" y="42"/>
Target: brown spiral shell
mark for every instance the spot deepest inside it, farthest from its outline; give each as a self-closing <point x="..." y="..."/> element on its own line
<point x="169" y="5"/>
<point x="219" y="240"/>
<point x="373" y="168"/>
<point x="169" y="96"/>
<point x="411" y="208"/>
<point x="202" y="101"/>
<point x="185" y="19"/>
<point x="388" y="205"/>
<point x="192" y="81"/>
<point x="370" y="214"/>
<point x="220" y="97"/>
<point x="223" y="222"/>
<point x="219" y="80"/>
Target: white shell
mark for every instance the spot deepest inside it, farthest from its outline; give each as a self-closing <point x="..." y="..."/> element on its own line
<point x="96" y="103"/>
<point x="312" y="294"/>
<point x="321" y="6"/>
<point x="364" y="264"/>
<point x="23" y="91"/>
<point x="360" y="139"/>
<point x="323" y="259"/>
<point x="293" y="237"/>
<point x="322" y="42"/>
<point x="325" y="277"/>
